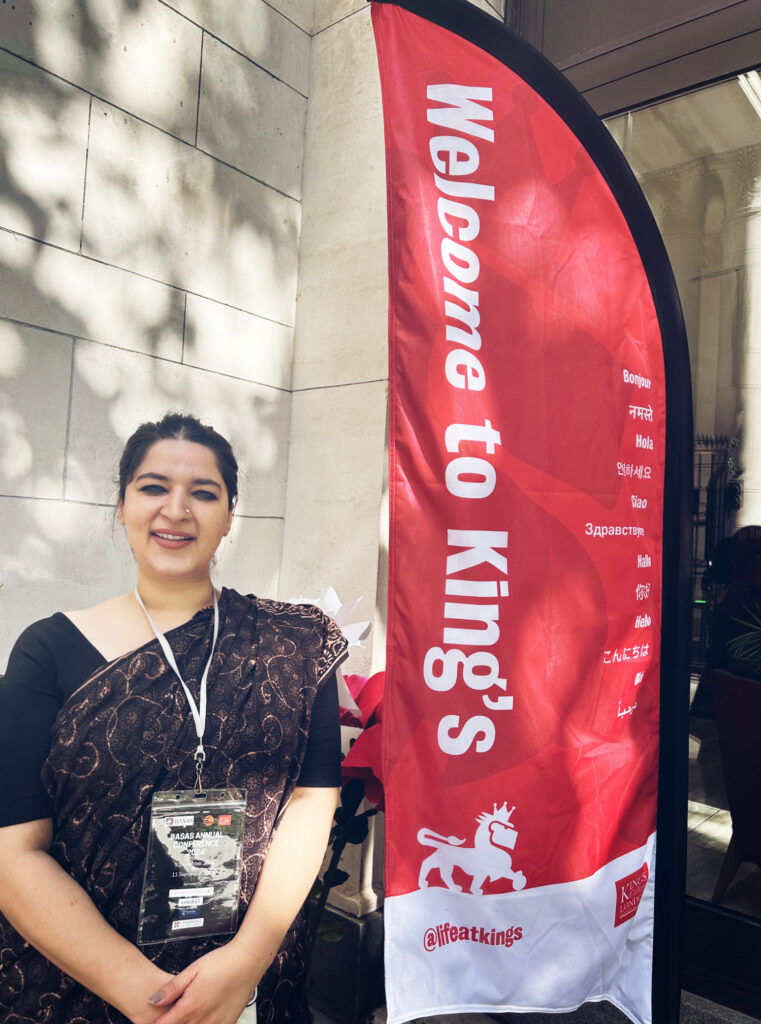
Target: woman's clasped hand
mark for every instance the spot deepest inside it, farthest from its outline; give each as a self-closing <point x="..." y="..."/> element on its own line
<point x="114" y="715"/>
<point x="215" y="989"/>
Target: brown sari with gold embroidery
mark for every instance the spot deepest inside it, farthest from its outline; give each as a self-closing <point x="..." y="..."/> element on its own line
<point x="127" y="733"/>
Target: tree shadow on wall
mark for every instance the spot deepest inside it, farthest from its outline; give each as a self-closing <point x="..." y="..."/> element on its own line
<point x="109" y="223"/>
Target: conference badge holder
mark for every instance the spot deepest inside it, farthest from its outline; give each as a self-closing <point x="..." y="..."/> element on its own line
<point x="191" y="885"/>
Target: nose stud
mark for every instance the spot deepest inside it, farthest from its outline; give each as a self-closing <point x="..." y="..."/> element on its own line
<point x="187" y="511"/>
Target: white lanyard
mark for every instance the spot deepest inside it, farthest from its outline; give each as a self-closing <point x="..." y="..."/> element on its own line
<point x="198" y="713"/>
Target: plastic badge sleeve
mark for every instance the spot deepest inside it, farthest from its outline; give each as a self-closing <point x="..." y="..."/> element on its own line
<point x="191" y="885"/>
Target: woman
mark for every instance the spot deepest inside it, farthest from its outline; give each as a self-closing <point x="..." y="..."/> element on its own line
<point x="96" y="721"/>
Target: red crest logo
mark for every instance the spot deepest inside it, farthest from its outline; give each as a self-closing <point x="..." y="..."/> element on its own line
<point x="629" y="893"/>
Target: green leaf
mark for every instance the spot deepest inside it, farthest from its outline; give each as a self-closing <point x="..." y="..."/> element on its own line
<point x="746" y="647"/>
<point x="330" y="931"/>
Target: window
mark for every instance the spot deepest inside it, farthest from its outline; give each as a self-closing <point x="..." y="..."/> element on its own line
<point x="698" y="160"/>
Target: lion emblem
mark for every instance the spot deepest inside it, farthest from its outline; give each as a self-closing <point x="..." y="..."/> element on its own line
<point x="488" y="857"/>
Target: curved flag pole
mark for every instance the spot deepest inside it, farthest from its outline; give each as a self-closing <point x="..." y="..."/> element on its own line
<point x="415" y="464"/>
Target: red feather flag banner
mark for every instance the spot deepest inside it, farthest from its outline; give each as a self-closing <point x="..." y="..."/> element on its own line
<point x="522" y="716"/>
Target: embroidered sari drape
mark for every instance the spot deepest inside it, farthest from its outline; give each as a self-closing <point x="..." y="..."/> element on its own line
<point x="127" y="733"/>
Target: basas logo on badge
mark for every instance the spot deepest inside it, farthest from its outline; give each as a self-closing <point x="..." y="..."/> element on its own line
<point x="180" y="821"/>
<point x="629" y="892"/>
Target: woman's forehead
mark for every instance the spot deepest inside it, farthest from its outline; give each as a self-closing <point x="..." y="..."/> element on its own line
<point x="179" y="459"/>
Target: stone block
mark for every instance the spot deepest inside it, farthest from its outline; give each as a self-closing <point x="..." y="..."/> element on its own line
<point x="342" y="317"/>
<point x="44" y="138"/>
<point x="249" y="558"/>
<point x="250" y="119"/>
<point x="202" y="226"/>
<point x="346" y="974"/>
<point x="56" y="556"/>
<point x="142" y="57"/>
<point x="226" y="340"/>
<point x="62" y="291"/>
<point x="35" y="374"/>
<point x="300" y="12"/>
<point x="328" y="12"/>
<point x="341" y="325"/>
<point x="335" y="480"/>
<point x="260" y="32"/>
<point x="113" y="391"/>
<point x="344" y="176"/>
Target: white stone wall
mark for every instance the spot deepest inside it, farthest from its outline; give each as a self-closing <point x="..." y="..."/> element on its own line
<point x="150" y="209"/>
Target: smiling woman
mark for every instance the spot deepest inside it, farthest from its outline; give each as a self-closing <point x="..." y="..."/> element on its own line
<point x="111" y="713"/>
<point x="178" y="502"/>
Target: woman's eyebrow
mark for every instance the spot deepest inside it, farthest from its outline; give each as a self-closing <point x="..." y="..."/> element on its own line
<point x="154" y="476"/>
<point x="195" y="483"/>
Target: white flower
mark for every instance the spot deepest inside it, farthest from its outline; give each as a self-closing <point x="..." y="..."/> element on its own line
<point x="354" y="632"/>
<point x="330" y="603"/>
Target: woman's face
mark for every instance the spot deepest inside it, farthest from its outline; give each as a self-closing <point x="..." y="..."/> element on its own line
<point x="175" y="511"/>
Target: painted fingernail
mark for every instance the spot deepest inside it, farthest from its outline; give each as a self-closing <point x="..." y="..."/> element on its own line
<point x="155" y="998"/>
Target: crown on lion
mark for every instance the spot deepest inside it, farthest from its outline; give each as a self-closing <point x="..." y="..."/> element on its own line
<point x="498" y="814"/>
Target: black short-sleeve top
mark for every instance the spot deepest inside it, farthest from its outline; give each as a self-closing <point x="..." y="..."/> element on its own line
<point x="50" y="660"/>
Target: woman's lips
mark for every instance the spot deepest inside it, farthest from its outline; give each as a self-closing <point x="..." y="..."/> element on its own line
<point x="169" y="539"/>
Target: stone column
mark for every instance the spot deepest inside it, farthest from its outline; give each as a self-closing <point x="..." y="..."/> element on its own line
<point x="710" y="284"/>
<point x="337" y="454"/>
<point x="740" y="382"/>
<point x="677" y="198"/>
<point x="336" y="505"/>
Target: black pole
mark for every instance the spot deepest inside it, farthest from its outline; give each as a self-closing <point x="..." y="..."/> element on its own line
<point x="484" y="31"/>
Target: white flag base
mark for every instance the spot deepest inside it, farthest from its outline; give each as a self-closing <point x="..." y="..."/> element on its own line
<point x="568" y="952"/>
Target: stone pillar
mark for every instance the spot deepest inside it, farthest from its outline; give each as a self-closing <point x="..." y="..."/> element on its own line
<point x="740" y="383"/>
<point x="707" y="358"/>
<point x="336" y="503"/>
<point x="337" y="457"/>
<point x="677" y="198"/>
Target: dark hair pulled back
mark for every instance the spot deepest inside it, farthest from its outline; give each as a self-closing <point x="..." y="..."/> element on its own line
<point x="176" y="426"/>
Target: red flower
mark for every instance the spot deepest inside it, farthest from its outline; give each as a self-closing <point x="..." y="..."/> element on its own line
<point x="364" y="758"/>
